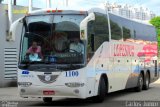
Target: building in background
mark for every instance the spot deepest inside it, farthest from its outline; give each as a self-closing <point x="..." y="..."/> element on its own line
<point x="9" y="49"/>
<point x="131" y="12"/>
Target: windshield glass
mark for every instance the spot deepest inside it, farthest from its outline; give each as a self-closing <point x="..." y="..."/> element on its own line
<point x="53" y="39"/>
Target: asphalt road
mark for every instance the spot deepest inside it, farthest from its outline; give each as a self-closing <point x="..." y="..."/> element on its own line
<point x="125" y="98"/>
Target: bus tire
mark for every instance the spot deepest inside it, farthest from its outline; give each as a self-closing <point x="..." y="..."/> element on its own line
<point x="140" y="83"/>
<point x="47" y="99"/>
<point x="101" y="92"/>
<point x="146" y="82"/>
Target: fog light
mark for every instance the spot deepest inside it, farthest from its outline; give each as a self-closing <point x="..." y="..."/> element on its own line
<point x="24" y="84"/>
<point x="74" y="84"/>
<point x="76" y="91"/>
<point x="23" y="91"/>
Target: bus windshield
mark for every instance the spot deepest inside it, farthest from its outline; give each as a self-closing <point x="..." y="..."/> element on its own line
<point x="53" y="39"/>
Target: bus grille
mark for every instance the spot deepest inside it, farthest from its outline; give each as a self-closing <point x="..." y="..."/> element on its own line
<point x="43" y="78"/>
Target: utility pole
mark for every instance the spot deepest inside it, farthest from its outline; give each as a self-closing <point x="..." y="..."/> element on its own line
<point x="14" y="2"/>
<point x="48" y="4"/>
<point x="30" y="6"/>
<point x="66" y="3"/>
<point x="109" y="26"/>
<point x="10" y="12"/>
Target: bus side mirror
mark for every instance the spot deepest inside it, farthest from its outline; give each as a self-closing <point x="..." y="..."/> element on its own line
<point x="92" y="42"/>
<point x="84" y="27"/>
<point x="15" y="29"/>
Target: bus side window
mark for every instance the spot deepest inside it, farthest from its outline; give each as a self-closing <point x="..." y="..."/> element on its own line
<point x="97" y="33"/>
<point x="90" y="45"/>
<point x="100" y="30"/>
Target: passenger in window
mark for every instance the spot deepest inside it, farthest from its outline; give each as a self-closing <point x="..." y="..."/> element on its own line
<point x="60" y="41"/>
<point x="34" y="52"/>
<point x="77" y="46"/>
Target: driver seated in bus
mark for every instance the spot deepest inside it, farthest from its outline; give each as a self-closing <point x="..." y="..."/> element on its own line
<point x="34" y="52"/>
<point x="76" y="46"/>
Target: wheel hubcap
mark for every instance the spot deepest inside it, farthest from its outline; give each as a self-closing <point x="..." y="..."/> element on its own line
<point x="147" y="81"/>
<point x="141" y="82"/>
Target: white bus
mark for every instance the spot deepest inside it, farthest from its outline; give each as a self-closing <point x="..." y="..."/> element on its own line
<point x="75" y="57"/>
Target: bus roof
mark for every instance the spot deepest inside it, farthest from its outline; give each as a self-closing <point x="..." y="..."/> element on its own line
<point x="57" y="11"/>
<point x="65" y="11"/>
<point x="133" y="20"/>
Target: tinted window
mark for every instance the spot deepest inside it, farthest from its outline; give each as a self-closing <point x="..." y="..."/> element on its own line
<point x="100" y="29"/>
<point x="126" y="33"/>
<point x="116" y="32"/>
<point x="132" y="29"/>
<point x="97" y="33"/>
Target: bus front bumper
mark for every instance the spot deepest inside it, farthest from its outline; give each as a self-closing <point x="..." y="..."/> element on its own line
<point x="52" y="91"/>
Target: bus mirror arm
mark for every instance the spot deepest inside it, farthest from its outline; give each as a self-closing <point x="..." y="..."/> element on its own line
<point x="92" y="42"/>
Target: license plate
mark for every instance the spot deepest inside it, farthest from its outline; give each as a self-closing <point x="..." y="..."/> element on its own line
<point x="48" y="92"/>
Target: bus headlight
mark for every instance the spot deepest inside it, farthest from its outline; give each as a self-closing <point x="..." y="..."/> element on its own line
<point x="24" y="84"/>
<point x="74" y="84"/>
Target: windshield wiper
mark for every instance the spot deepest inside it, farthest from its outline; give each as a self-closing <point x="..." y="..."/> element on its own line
<point x="26" y="64"/>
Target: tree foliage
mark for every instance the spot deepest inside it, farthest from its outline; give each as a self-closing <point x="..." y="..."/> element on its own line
<point x="156" y="22"/>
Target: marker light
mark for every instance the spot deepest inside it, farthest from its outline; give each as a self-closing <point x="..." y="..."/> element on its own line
<point x="82" y="12"/>
<point x="53" y="11"/>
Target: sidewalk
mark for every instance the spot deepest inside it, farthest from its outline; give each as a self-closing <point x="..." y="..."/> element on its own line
<point x="11" y="94"/>
<point x="157" y="82"/>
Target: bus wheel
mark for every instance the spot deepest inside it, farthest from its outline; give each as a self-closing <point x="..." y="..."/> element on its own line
<point x="101" y="92"/>
<point x="47" y="99"/>
<point x="146" y="82"/>
<point x="140" y="83"/>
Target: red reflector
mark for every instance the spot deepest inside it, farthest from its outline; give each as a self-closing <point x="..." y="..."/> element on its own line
<point x="48" y="11"/>
<point x="59" y="10"/>
<point x="48" y="92"/>
<point x="53" y="11"/>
